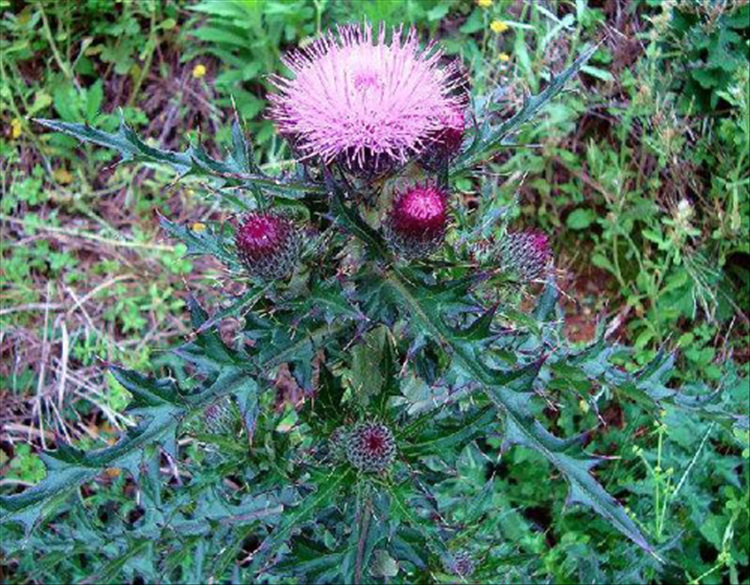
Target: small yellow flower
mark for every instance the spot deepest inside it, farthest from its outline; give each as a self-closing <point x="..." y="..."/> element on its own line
<point x="484" y="3"/>
<point x="15" y="128"/>
<point x="504" y="57"/>
<point x="498" y="26"/>
<point x="199" y="227"/>
<point x="199" y="71"/>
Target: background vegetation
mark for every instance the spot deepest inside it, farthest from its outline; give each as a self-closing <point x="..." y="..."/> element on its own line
<point x="641" y="175"/>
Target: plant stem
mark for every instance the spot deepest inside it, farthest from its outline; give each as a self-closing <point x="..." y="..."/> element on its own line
<point x="51" y="41"/>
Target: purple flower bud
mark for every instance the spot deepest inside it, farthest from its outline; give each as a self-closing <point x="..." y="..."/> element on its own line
<point x="526" y="254"/>
<point x="445" y="143"/>
<point x="370" y="446"/>
<point x="460" y="564"/>
<point x="416" y="224"/>
<point x="268" y="244"/>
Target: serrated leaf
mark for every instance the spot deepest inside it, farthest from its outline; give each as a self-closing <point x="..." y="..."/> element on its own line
<point x="193" y="161"/>
<point x="322" y="497"/>
<point x="208" y="241"/>
<point x="246" y="396"/>
<point x="511" y="393"/>
<point x="447" y="438"/>
<point x="324" y="409"/>
<point x="491" y="139"/>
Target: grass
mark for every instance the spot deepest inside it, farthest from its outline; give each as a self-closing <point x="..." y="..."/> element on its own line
<point x="641" y="174"/>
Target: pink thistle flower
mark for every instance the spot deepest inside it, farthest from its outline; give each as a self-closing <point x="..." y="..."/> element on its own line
<point x="268" y="244"/>
<point x="416" y="223"/>
<point x="368" y="102"/>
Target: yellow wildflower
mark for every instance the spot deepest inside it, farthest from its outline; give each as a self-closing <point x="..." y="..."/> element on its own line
<point x="484" y="3"/>
<point x="199" y="71"/>
<point x="498" y="26"/>
<point x="504" y="57"/>
<point x="199" y="227"/>
<point x="15" y="128"/>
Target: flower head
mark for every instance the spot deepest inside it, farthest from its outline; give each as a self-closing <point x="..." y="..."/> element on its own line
<point x="268" y="244"/>
<point x="498" y="26"/>
<point x="199" y="71"/>
<point x="446" y="142"/>
<point x="15" y="128"/>
<point x="416" y="223"/>
<point x="460" y="564"/>
<point x="364" y="100"/>
<point x="370" y="446"/>
<point x="527" y="254"/>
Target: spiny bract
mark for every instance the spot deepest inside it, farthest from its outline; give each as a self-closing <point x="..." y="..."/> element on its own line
<point x="526" y="254"/>
<point x="268" y="244"/>
<point x="370" y="446"/>
<point x="415" y="225"/>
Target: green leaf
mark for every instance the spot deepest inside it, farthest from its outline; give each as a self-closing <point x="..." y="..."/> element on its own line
<point x="160" y="407"/>
<point x="580" y="219"/>
<point x="511" y="392"/>
<point x="193" y="161"/>
<point x="366" y="377"/>
<point x="449" y="437"/>
<point x="488" y="142"/>
<point x="327" y="486"/>
<point x="210" y="240"/>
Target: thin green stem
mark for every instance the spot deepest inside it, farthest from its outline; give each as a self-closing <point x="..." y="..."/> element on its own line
<point x="55" y="52"/>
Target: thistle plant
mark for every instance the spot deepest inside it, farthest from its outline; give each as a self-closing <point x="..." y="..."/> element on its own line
<point x="361" y="282"/>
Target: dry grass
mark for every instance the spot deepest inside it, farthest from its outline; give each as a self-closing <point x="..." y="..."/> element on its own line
<point x="50" y="322"/>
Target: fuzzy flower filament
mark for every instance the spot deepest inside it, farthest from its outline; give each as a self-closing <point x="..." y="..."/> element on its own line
<point x="362" y="99"/>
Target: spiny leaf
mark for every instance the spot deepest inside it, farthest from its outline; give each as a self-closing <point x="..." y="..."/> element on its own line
<point x="438" y="439"/>
<point x="324" y="411"/>
<point x="209" y="241"/>
<point x="510" y="392"/>
<point x="246" y="396"/>
<point x="490" y="140"/>
<point x="160" y="407"/>
<point x="147" y="391"/>
<point x="193" y="161"/>
<point x="327" y="487"/>
<point x="367" y="533"/>
<point x="405" y="510"/>
<point x="63" y="477"/>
